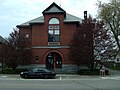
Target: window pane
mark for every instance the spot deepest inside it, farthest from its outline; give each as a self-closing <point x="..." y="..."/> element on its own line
<point x="50" y="27"/>
<point x="27" y="36"/>
<point x="57" y="27"/>
<point x="58" y="62"/>
<point x="56" y="38"/>
<point x="50" y="32"/>
<point x="57" y="32"/>
<point x="53" y="21"/>
<point x="50" y="39"/>
<point x="37" y="58"/>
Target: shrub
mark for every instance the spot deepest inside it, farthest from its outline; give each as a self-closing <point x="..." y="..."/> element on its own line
<point x="7" y="71"/>
<point x="11" y="71"/>
<point x="18" y="71"/>
<point x="91" y="72"/>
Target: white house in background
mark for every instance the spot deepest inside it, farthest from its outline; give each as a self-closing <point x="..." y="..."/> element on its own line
<point x="117" y="59"/>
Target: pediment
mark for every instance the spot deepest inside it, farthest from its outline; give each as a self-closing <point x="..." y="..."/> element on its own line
<point x="53" y="8"/>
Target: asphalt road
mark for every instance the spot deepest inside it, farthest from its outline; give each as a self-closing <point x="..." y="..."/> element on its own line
<point x="78" y="83"/>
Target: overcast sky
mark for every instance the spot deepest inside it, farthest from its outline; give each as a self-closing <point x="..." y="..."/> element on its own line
<point x="15" y="12"/>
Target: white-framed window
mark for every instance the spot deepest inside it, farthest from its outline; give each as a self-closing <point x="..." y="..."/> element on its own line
<point x="54" y="30"/>
<point x="27" y="35"/>
<point x="54" y="21"/>
<point x="37" y="58"/>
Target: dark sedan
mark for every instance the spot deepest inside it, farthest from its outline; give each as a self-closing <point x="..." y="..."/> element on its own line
<point x="38" y="73"/>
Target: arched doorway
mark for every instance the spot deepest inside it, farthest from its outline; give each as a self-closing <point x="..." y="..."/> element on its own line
<point x="53" y="60"/>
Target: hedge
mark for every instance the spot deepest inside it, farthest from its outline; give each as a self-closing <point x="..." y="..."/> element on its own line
<point x="91" y="72"/>
<point x="11" y="71"/>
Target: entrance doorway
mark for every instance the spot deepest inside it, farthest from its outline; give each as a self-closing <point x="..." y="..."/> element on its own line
<point x="53" y="60"/>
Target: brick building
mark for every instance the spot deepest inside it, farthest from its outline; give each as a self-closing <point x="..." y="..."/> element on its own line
<point x="49" y="37"/>
<point x="2" y="43"/>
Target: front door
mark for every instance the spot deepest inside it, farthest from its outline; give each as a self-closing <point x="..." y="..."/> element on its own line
<point x="53" y="60"/>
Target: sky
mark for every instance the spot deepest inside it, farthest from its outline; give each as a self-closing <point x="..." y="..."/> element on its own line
<point x="16" y="12"/>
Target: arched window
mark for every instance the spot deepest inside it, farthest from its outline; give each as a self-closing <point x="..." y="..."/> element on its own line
<point x="54" y="21"/>
<point x="54" y="30"/>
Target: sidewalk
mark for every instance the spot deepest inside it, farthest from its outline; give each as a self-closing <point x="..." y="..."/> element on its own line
<point x="58" y="76"/>
<point x="75" y="76"/>
<point x="113" y="73"/>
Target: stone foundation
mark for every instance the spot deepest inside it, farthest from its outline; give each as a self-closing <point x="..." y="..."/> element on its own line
<point x="66" y="68"/>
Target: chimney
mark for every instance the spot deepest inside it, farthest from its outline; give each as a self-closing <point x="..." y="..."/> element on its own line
<point x="85" y="15"/>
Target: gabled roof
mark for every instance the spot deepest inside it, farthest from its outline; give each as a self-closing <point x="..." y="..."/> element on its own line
<point x="69" y="18"/>
<point x="2" y="40"/>
<point x="53" y="8"/>
<point x="72" y="18"/>
<point x="36" y="20"/>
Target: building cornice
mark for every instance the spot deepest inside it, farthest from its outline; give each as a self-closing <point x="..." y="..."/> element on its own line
<point x="50" y="47"/>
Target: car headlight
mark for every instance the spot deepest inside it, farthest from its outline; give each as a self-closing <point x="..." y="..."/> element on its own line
<point x="21" y="72"/>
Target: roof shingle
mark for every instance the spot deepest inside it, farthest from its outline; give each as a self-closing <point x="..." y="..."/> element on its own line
<point x="53" y="8"/>
<point x="2" y="40"/>
<point x="69" y="18"/>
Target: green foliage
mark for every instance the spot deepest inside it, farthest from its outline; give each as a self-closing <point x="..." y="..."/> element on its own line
<point x="112" y="65"/>
<point x="116" y="67"/>
<point x="15" y="51"/>
<point x="18" y="71"/>
<point x="11" y="71"/>
<point x="81" y="51"/>
<point x="110" y="14"/>
<point x="8" y="71"/>
<point x="91" y="72"/>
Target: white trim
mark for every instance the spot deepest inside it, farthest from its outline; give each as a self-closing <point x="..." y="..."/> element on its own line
<point x="53" y="43"/>
<point x="50" y="47"/>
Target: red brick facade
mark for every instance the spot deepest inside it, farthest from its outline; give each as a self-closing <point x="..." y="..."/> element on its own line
<point x="37" y="31"/>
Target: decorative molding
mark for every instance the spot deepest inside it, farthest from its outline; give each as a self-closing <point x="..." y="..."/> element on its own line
<point x="50" y="47"/>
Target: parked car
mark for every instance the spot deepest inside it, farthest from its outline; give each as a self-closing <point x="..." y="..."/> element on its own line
<point x="38" y="73"/>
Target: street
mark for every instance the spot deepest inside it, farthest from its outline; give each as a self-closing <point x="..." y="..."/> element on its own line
<point x="79" y="83"/>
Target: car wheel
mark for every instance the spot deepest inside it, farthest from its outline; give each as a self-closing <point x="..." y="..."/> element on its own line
<point x="26" y="76"/>
<point x="46" y="76"/>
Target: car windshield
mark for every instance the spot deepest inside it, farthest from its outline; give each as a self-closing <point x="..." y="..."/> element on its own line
<point x="39" y="69"/>
<point x="35" y="70"/>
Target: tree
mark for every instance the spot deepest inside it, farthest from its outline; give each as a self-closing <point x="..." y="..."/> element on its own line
<point x="4" y="54"/>
<point x="109" y="13"/>
<point x="14" y="52"/>
<point x="81" y="46"/>
<point x="91" y="35"/>
<point x="104" y="44"/>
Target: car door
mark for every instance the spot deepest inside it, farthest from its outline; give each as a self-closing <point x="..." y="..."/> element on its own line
<point x="34" y="73"/>
<point x="46" y="74"/>
<point x="41" y="73"/>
